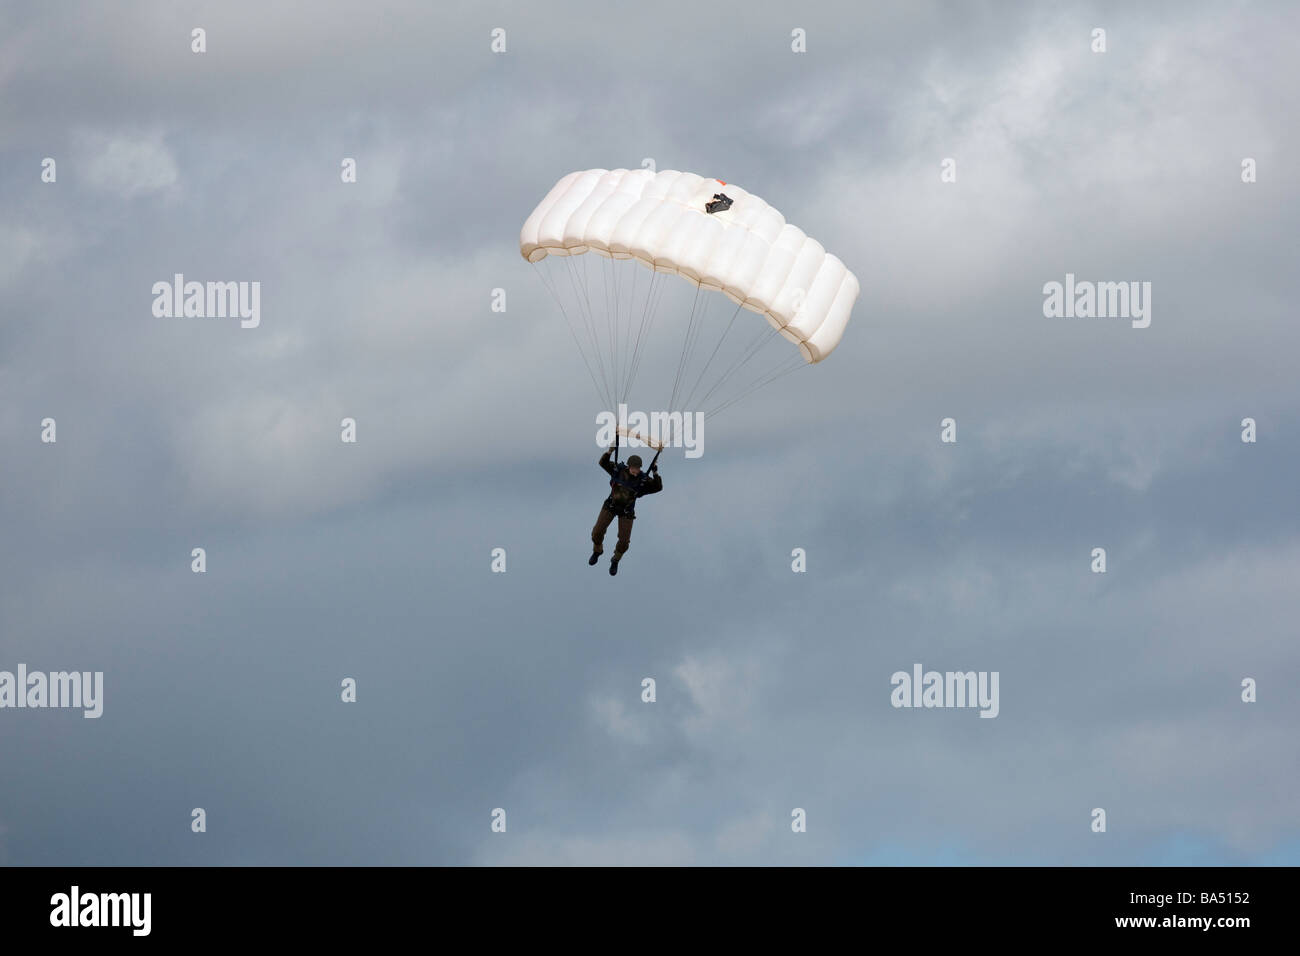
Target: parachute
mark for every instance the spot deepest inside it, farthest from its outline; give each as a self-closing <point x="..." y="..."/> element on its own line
<point x="716" y="236"/>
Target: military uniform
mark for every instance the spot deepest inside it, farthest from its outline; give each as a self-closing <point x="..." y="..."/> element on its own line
<point x="624" y="490"/>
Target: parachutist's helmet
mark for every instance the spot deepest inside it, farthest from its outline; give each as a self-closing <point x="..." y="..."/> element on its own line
<point x="634" y="461"/>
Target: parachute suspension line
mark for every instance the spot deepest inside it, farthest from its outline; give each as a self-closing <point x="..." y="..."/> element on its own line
<point x="686" y="341"/>
<point x="569" y="322"/>
<point x="686" y="345"/>
<point x="643" y="326"/>
<point x="694" y="332"/>
<point x="627" y="338"/>
<point x="755" y="346"/>
<point x="583" y="283"/>
<point x="604" y="295"/>
<point x="785" y="367"/>
<point x="648" y="315"/>
<point x="584" y="288"/>
<point x="748" y="351"/>
<point x="589" y="337"/>
<point x="591" y="314"/>
<point x="613" y="275"/>
<point x="630" y="355"/>
<point x="687" y="403"/>
<point x="611" y="329"/>
<point x="700" y="326"/>
<point x="612" y="321"/>
<point x="580" y="296"/>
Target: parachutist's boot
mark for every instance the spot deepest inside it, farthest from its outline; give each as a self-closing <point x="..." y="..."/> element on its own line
<point x="595" y="556"/>
<point x="613" y="567"/>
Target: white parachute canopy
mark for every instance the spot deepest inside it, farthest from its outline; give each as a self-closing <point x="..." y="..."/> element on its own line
<point x="717" y="237"/>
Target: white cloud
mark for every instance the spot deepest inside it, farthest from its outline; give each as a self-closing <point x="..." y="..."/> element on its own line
<point x="128" y="166"/>
<point x="17" y="246"/>
<point x="612" y="715"/>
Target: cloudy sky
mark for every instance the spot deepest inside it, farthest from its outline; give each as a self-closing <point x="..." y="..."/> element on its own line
<point x="522" y="690"/>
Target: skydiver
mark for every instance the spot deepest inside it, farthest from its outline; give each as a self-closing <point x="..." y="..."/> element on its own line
<point x="626" y="484"/>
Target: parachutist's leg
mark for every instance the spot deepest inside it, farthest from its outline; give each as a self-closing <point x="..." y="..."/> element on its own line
<point x="624" y="537"/>
<point x="598" y="532"/>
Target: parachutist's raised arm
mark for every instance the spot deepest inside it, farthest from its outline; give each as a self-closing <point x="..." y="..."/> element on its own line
<point x="604" y="460"/>
<point x="654" y="486"/>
